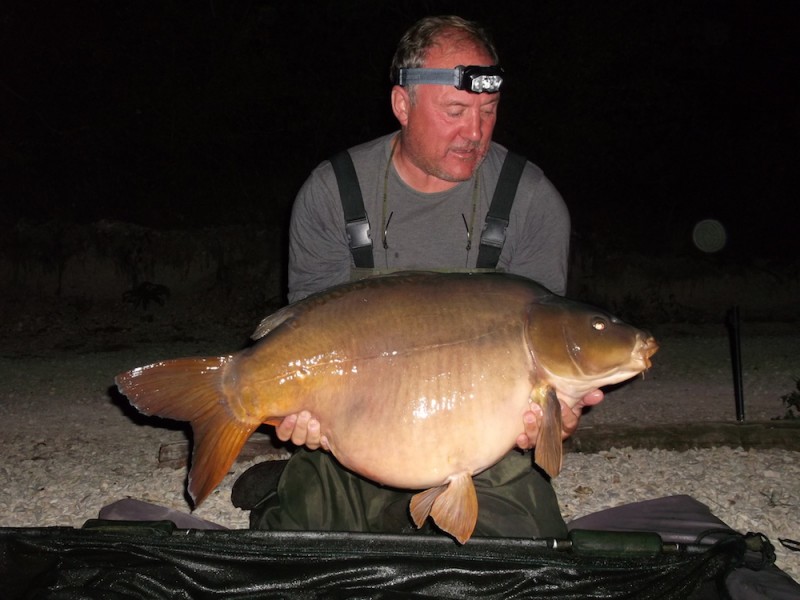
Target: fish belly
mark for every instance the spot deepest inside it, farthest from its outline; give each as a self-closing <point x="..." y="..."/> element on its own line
<point x="411" y="380"/>
<point x="415" y="426"/>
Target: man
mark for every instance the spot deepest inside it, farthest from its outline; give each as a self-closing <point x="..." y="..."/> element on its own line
<point x="426" y="191"/>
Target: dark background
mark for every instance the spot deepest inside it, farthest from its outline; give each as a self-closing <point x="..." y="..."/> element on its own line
<point x="647" y="115"/>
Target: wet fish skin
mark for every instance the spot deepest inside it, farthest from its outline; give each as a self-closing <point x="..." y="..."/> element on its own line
<point x="404" y="372"/>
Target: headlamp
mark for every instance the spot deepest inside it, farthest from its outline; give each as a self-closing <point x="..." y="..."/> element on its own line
<point x="471" y="79"/>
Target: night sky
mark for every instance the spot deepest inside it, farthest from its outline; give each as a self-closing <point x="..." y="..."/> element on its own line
<point x="647" y="115"/>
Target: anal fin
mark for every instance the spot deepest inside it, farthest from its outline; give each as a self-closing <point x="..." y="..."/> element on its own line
<point x="549" y="450"/>
<point x="422" y="503"/>
<point x="453" y="507"/>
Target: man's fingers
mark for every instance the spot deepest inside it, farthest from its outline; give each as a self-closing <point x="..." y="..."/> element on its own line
<point x="302" y="429"/>
<point x="530" y="422"/>
<point x="569" y="419"/>
<point x="593" y="397"/>
<point x="286" y="427"/>
<point x="312" y="435"/>
<point x="300" y="432"/>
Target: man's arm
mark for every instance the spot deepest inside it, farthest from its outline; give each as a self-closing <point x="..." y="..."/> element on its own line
<point x="538" y="234"/>
<point x="319" y="255"/>
<point x="537" y="247"/>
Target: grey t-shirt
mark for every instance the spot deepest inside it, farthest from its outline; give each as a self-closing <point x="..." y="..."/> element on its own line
<point x="425" y="231"/>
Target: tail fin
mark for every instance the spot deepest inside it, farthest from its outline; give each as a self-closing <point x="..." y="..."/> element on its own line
<point x="190" y="389"/>
<point x="549" y="450"/>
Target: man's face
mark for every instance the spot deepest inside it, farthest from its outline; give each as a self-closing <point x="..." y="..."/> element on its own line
<point x="447" y="132"/>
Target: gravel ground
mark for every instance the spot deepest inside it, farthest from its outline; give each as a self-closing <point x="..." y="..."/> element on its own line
<point x="71" y="445"/>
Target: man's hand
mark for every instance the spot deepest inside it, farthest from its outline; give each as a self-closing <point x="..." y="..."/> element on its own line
<point x="303" y="430"/>
<point x="569" y="419"/>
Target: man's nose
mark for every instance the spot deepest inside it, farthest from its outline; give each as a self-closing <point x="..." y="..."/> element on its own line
<point x="471" y="129"/>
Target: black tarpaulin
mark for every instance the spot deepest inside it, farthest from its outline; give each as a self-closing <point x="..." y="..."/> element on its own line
<point x="155" y="560"/>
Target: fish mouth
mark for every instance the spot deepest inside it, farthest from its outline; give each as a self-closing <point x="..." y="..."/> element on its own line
<point x="646" y="347"/>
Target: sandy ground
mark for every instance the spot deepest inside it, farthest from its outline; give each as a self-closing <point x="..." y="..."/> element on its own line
<point x="71" y="444"/>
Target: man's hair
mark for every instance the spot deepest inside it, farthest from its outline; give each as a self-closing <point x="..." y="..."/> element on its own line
<point x="425" y="33"/>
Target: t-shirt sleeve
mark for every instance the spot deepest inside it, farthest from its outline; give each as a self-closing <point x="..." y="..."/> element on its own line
<point x="537" y="242"/>
<point x="319" y="255"/>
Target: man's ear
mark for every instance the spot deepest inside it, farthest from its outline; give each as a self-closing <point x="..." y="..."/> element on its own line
<point x="401" y="104"/>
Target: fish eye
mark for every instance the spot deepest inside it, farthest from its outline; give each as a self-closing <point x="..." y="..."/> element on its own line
<point x="599" y="323"/>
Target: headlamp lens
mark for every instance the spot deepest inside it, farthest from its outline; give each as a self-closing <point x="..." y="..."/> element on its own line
<point x="481" y="83"/>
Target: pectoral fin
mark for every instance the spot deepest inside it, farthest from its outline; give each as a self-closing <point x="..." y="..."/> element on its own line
<point x="549" y="450"/>
<point x="453" y="507"/>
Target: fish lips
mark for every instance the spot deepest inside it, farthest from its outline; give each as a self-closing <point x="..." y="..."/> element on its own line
<point x="646" y="347"/>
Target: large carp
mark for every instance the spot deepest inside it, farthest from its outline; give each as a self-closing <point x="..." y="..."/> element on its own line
<point x="418" y="380"/>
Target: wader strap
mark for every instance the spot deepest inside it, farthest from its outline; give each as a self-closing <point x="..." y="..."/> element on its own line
<point x="355" y="216"/>
<point x="493" y="235"/>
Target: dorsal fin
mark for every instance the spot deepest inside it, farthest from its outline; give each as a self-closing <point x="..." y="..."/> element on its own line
<point x="273" y="321"/>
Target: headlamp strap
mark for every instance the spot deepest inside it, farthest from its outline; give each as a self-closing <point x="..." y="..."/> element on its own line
<point x="472" y="78"/>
